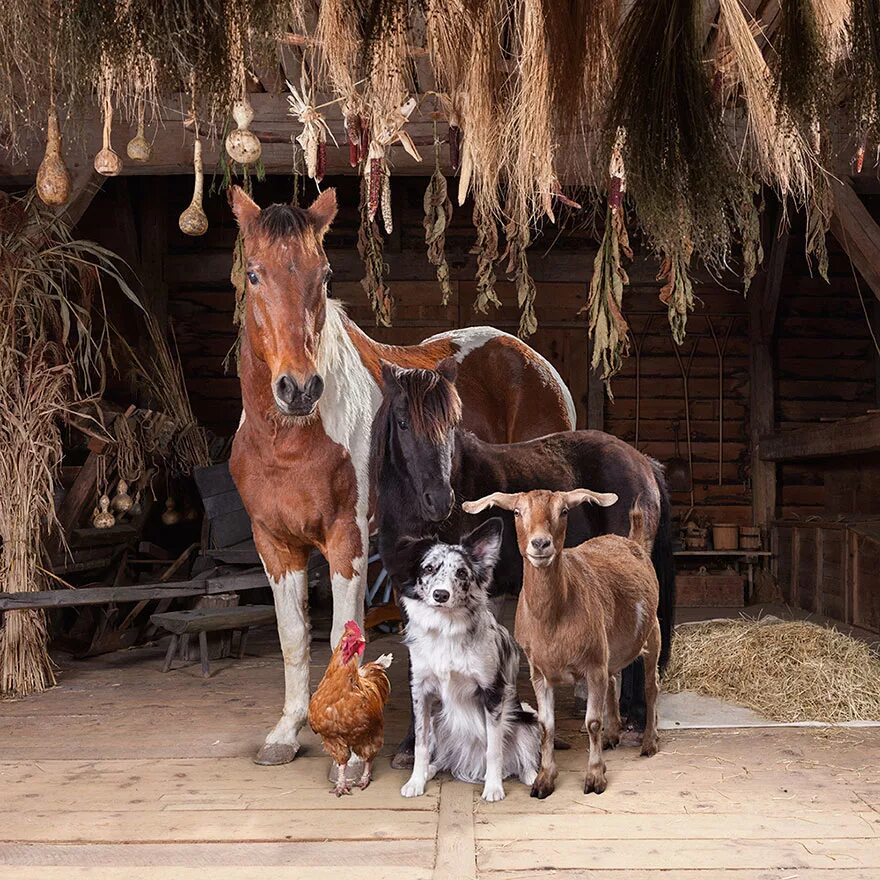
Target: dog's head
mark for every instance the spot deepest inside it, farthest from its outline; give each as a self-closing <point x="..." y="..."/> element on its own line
<point x="450" y="576"/>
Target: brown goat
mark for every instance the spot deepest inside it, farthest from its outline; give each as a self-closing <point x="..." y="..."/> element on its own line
<point x="584" y="614"/>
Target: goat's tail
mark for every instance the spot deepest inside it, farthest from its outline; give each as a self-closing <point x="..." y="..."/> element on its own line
<point x="664" y="565"/>
<point x="637" y="523"/>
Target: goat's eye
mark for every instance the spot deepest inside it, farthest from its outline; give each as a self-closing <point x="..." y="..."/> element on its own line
<point x="516" y="511"/>
<point x="253" y="278"/>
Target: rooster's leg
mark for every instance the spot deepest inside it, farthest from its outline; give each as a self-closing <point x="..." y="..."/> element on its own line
<point x="342" y="784"/>
<point x="367" y="775"/>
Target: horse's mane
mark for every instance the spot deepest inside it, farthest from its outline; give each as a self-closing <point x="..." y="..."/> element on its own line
<point x="432" y="404"/>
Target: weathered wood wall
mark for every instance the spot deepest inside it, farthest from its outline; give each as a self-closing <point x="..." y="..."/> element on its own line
<point x="824" y="358"/>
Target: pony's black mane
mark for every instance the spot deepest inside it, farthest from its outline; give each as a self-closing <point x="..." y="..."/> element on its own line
<point x="278" y="221"/>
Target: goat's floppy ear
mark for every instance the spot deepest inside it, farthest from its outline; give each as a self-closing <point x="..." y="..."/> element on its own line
<point x="581" y="496"/>
<point x="389" y="376"/>
<point x="497" y="499"/>
<point x="483" y="544"/>
<point x="448" y="369"/>
<point x="246" y="210"/>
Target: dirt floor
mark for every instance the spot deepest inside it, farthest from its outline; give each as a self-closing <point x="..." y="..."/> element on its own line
<point x="123" y="772"/>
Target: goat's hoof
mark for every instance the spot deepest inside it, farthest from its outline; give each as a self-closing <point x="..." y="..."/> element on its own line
<point x="649" y="749"/>
<point x="595" y="783"/>
<point x="542" y="787"/>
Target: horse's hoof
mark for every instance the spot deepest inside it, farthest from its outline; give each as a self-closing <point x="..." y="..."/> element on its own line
<point x="273" y="754"/>
<point x="403" y="761"/>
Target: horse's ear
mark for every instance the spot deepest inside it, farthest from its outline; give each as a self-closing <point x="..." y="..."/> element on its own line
<point x="322" y="212"/>
<point x="389" y="376"/>
<point x="448" y="369"/>
<point x="246" y="210"/>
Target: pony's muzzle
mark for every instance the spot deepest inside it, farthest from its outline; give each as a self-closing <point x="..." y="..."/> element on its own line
<point x="294" y="399"/>
<point x="437" y="504"/>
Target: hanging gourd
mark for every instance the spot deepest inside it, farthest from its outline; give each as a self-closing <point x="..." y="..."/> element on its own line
<point x="171" y="515"/>
<point x="101" y="517"/>
<point x="138" y="148"/>
<point x="122" y="501"/>
<point x="194" y="221"/>
<point x="242" y="145"/>
<point x="53" y="178"/>
<point x="107" y="162"/>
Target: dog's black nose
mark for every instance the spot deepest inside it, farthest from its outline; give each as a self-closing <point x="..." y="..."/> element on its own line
<point x="441" y="596"/>
<point x="541" y="543"/>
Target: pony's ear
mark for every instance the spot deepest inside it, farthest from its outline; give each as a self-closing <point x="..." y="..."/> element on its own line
<point x="483" y="544"/>
<point x="581" y="496"/>
<point x="322" y="212"/>
<point x="448" y="369"/>
<point x="246" y="210"/>
<point x="503" y="500"/>
<point x="389" y="376"/>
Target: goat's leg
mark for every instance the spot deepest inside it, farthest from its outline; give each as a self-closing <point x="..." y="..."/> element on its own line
<point x="546" y="780"/>
<point x="422" y="707"/>
<point x="651" y="652"/>
<point x="597" y="687"/>
<point x="611" y="729"/>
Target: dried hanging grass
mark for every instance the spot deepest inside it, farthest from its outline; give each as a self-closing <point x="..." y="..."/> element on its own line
<point x="820" y="207"/>
<point x="865" y="66"/>
<point x="677" y="293"/>
<point x="486" y="251"/>
<point x="370" y="249"/>
<point x="787" y="671"/>
<point x="747" y="216"/>
<point x="339" y="32"/>
<point x="518" y="240"/>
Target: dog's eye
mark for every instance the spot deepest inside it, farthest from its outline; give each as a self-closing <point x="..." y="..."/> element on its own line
<point x="461" y="573"/>
<point x="253" y="277"/>
<point x="427" y="568"/>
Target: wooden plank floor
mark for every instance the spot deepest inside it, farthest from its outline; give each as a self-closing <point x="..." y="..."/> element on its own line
<point x="123" y="772"/>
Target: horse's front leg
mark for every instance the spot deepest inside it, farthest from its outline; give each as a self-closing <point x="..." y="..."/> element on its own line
<point x="286" y="568"/>
<point x="347" y="554"/>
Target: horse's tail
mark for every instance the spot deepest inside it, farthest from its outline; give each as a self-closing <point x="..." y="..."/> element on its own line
<point x="664" y="565"/>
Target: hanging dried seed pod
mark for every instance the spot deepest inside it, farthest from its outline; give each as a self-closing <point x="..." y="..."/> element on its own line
<point x="376" y="173"/>
<point x="321" y="160"/>
<point x="242" y="145"/>
<point x="193" y="220"/>
<point x="138" y="148"/>
<point x="387" y="220"/>
<point x="53" y="179"/>
<point x="353" y="133"/>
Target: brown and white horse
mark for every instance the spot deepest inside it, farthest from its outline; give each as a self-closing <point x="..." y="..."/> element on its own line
<point x="310" y="383"/>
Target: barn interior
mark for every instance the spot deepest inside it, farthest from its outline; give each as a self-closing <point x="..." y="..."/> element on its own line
<point x="755" y="382"/>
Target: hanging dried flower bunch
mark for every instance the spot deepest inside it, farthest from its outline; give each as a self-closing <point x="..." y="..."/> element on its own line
<point x="677" y="293"/>
<point x="486" y="251"/>
<point x="370" y="249"/>
<point x="518" y="239"/>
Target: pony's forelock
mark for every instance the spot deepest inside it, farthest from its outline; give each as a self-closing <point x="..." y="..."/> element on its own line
<point x="432" y="402"/>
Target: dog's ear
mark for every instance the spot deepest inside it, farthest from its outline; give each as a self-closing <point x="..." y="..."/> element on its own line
<point x="408" y="555"/>
<point x="483" y="544"/>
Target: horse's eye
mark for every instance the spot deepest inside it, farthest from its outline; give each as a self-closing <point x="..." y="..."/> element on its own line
<point x="253" y="278"/>
<point x="402" y="424"/>
<point x="564" y="511"/>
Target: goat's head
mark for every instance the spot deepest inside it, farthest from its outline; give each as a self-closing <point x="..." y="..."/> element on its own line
<point x="541" y="518"/>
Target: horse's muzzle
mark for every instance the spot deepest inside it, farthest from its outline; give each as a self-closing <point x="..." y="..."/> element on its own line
<point x="294" y="399"/>
<point x="437" y="504"/>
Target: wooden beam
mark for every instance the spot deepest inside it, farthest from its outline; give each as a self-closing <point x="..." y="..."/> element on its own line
<point x="852" y="436"/>
<point x="858" y="233"/>
<point x="86" y="183"/>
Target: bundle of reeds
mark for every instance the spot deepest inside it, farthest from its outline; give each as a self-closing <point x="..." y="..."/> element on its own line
<point x="51" y="364"/>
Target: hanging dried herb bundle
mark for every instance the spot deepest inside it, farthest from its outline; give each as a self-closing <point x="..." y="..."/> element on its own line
<point x="865" y="66"/>
<point x="677" y="293"/>
<point x="438" y="213"/>
<point x="370" y="249"/>
<point x="609" y="330"/>
<point x="518" y="239"/>
<point x="675" y="151"/>
<point x="486" y="251"/>
<point x="747" y="216"/>
<point x="819" y="209"/>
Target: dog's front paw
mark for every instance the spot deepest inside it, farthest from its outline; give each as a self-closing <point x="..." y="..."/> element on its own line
<point x="413" y="788"/>
<point x="493" y="791"/>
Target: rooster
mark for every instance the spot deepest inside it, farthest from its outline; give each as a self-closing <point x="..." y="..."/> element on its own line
<point x="347" y="709"/>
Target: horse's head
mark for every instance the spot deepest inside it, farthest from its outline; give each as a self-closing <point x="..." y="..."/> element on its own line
<point x="287" y="275"/>
<point x="415" y="431"/>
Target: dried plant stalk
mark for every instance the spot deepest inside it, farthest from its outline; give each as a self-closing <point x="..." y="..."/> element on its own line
<point x="370" y="249"/>
<point x="518" y="239"/>
<point x="438" y="213"/>
<point x="486" y="251"/>
<point x="677" y="293"/>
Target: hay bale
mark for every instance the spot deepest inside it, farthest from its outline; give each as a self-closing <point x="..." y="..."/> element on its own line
<point x="785" y="670"/>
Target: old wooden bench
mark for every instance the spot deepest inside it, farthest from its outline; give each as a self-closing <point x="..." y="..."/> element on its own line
<point x="204" y="620"/>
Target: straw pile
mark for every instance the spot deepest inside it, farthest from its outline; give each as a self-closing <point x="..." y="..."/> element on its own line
<point x="784" y="670"/>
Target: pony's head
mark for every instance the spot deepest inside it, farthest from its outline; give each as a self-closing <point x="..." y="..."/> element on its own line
<point x="415" y="433"/>
<point x="286" y="289"/>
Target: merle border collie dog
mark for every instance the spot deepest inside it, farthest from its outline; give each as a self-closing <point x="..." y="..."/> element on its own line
<point x="468" y="719"/>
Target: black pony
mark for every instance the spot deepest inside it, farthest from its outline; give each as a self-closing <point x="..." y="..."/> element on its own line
<point x="426" y="464"/>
